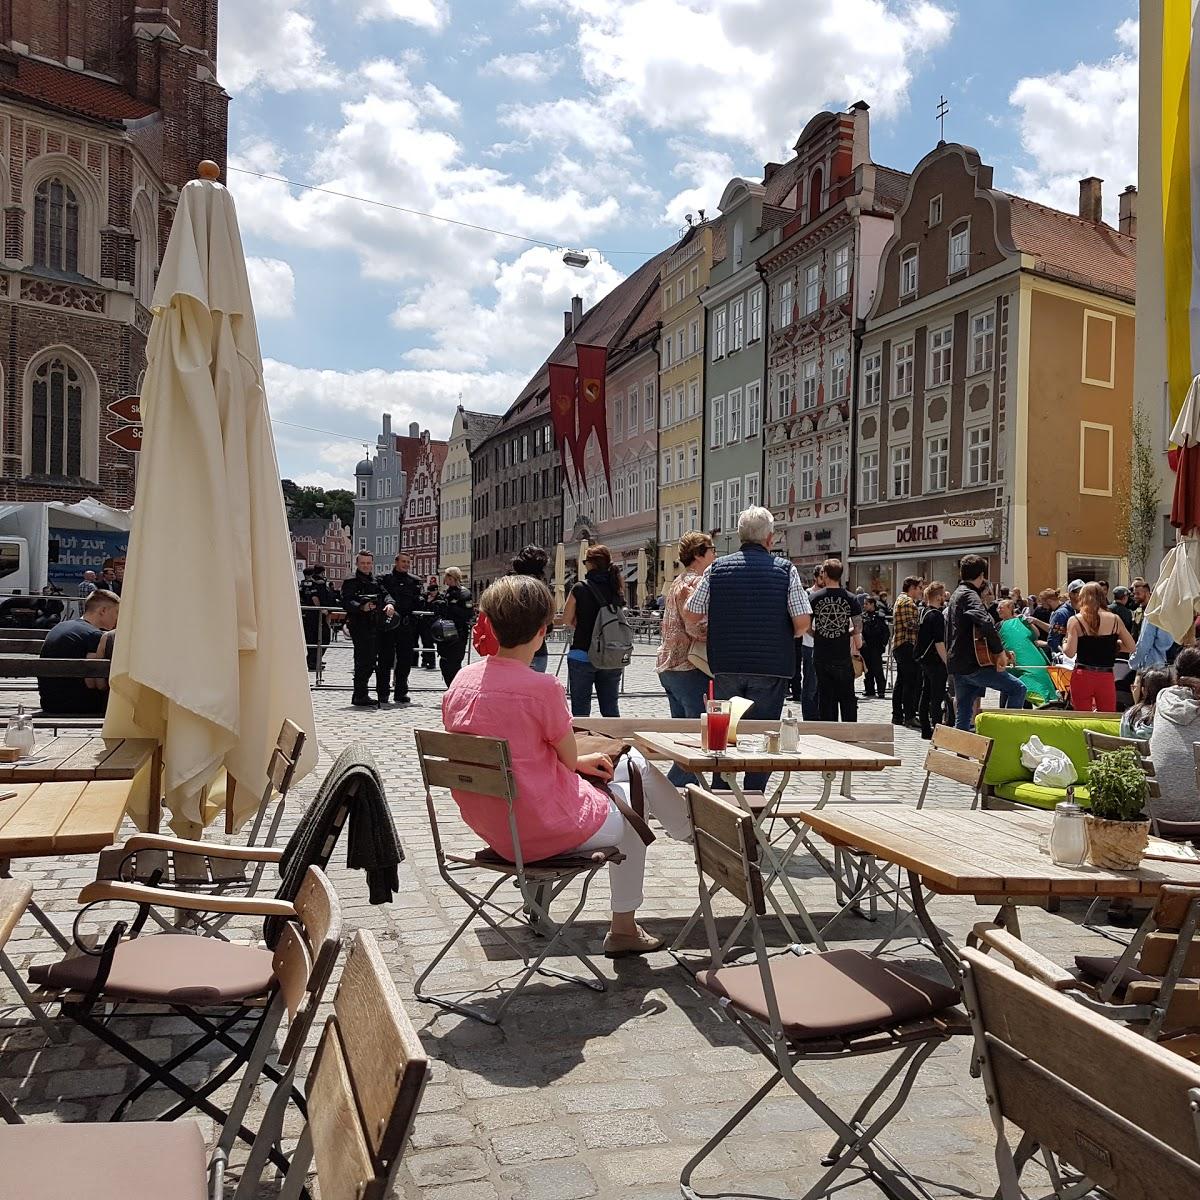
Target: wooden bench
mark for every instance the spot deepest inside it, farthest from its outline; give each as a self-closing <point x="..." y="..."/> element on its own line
<point x="33" y="666"/>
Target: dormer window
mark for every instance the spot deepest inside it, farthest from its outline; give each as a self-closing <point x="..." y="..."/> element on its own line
<point x="935" y="211"/>
<point x="908" y="272"/>
<point x="960" y="248"/>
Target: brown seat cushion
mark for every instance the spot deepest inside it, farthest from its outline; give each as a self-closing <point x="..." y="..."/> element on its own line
<point x="490" y="860"/>
<point x="129" y="1160"/>
<point x="833" y="994"/>
<point x="170" y="967"/>
<point x="1098" y="967"/>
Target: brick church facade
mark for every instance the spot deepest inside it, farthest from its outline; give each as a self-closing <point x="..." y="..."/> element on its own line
<point x="106" y="108"/>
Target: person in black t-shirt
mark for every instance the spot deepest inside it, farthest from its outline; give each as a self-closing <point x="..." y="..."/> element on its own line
<point x="876" y="636"/>
<point x="87" y="637"/>
<point x="836" y="631"/>
<point x="931" y="658"/>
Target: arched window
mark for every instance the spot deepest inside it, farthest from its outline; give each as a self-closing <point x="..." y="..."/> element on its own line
<point x="55" y="226"/>
<point x="57" y="417"/>
<point x="814" y="193"/>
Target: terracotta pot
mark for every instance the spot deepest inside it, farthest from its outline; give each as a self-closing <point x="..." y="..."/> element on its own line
<point x="1116" y="845"/>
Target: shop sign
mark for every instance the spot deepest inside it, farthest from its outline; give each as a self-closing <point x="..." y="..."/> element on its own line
<point x="927" y="533"/>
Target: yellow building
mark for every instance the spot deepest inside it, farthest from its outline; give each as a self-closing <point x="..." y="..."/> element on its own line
<point x="681" y="392"/>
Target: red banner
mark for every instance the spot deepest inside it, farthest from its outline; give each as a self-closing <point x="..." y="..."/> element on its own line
<point x="593" y="363"/>
<point x="564" y="402"/>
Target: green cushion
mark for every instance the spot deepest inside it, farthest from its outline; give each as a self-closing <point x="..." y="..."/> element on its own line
<point x="1009" y="731"/>
<point x="1039" y="797"/>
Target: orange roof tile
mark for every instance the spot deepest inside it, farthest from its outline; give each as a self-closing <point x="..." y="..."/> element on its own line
<point x="1073" y="249"/>
<point x="70" y="91"/>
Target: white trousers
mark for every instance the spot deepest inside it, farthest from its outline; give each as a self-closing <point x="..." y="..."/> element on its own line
<point x="625" y="879"/>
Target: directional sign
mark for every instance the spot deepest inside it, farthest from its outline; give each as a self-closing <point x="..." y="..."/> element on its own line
<point x="128" y="408"/>
<point x="128" y="437"/>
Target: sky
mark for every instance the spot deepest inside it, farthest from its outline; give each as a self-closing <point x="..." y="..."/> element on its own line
<point x="596" y="124"/>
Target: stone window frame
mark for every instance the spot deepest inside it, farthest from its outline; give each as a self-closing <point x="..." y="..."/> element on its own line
<point x="89" y="434"/>
<point x="144" y="226"/>
<point x="960" y="226"/>
<point x="88" y="196"/>
<point x="913" y="252"/>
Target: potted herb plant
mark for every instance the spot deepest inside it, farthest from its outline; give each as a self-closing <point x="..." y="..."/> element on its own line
<point x="1118" y="829"/>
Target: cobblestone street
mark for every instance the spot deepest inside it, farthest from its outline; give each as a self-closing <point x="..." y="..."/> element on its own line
<point x="577" y="1094"/>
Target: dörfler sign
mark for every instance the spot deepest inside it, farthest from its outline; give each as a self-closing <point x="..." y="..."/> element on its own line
<point x="928" y="533"/>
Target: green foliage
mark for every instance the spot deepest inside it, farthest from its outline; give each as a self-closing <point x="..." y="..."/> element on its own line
<point x="317" y="502"/>
<point x="1137" y="494"/>
<point x="1117" y="786"/>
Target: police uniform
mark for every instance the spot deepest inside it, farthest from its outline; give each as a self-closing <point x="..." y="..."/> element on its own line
<point x="313" y="592"/>
<point x="396" y="645"/>
<point x="365" y="633"/>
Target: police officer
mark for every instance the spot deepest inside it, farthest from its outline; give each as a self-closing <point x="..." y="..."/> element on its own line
<point x="315" y="594"/>
<point x="397" y="645"/>
<point x="366" y="603"/>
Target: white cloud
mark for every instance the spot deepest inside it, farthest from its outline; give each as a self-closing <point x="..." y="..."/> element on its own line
<point x="271" y="44"/>
<point x="707" y="172"/>
<point x="272" y="287"/>
<point x="592" y="126"/>
<point x="428" y="14"/>
<point x="530" y="66"/>
<point x="1081" y="122"/>
<point x="520" y="326"/>
<point x="746" y="83"/>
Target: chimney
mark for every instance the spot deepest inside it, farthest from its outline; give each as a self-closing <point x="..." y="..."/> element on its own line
<point x="576" y="312"/>
<point x="1127" y="222"/>
<point x="414" y="429"/>
<point x="568" y="326"/>
<point x="387" y="424"/>
<point x="769" y="171"/>
<point x="1091" y="207"/>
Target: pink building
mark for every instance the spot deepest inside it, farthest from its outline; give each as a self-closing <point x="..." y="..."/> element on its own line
<point x="320" y="543"/>
<point x="419" y="534"/>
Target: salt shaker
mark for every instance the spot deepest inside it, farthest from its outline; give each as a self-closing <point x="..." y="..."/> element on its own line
<point x="1068" y="840"/>
<point x="789" y="733"/>
<point x="19" y="732"/>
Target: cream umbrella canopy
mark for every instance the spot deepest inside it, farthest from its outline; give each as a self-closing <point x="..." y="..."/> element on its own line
<point x="640" y="575"/>
<point x="560" y="577"/>
<point x="209" y="655"/>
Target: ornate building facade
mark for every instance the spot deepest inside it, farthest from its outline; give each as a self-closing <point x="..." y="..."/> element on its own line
<point x="105" y="111"/>
<point x="320" y="543"/>
<point x="821" y="277"/>
<point x="468" y="429"/>
<point x="419" y="536"/>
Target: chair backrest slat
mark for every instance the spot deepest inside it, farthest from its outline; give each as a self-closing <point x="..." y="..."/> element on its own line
<point x="381" y="1047"/>
<point x="321" y="923"/>
<point x="290" y="740"/>
<point x="958" y="755"/>
<point x="465" y="761"/>
<point x="725" y="847"/>
<point x="463" y="747"/>
<point x="292" y="965"/>
<point x="366" y="1081"/>
<point x="1100" y="743"/>
<point x="467" y="777"/>
<point x="320" y="913"/>
<point x="1057" y="1077"/>
<point x="1172" y="907"/>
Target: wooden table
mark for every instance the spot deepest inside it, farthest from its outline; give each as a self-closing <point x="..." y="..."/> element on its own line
<point x="995" y="856"/>
<point x="814" y="754"/>
<point x="89" y="760"/>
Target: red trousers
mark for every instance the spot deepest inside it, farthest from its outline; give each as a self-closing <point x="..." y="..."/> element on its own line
<point x="1093" y="691"/>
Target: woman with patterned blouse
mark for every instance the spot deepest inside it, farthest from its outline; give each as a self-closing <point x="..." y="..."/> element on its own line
<point x="686" y="685"/>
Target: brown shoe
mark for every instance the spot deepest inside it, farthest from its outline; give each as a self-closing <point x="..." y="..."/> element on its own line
<point x="623" y="945"/>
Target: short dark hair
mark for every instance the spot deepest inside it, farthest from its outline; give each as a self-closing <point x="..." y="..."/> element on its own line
<point x="363" y="554"/>
<point x="832" y="568"/>
<point x="517" y="606"/>
<point x="910" y="581"/>
<point x="99" y="598"/>
<point x="531" y="561"/>
<point x="971" y="566"/>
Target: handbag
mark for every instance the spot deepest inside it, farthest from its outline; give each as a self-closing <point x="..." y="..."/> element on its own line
<point x="856" y="661"/>
<point x="698" y="657"/>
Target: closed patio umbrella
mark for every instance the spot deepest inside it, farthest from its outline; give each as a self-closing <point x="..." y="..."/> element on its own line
<point x="209" y="656"/>
<point x="1176" y="598"/>
<point x="641" y="576"/>
<point x="560" y="577"/>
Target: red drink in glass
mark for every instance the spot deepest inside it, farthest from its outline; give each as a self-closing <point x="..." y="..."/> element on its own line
<point x="718" y="731"/>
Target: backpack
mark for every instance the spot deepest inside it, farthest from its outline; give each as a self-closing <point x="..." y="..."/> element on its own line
<point x="612" y="640"/>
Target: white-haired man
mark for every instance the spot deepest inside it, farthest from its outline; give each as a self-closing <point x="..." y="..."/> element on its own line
<point x="757" y="607"/>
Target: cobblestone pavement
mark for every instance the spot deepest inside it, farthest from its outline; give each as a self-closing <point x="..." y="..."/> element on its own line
<point x="578" y="1094"/>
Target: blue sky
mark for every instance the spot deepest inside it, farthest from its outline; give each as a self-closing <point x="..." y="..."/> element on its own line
<point x="594" y="123"/>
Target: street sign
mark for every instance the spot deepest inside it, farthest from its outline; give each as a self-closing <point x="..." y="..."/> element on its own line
<point x="128" y="437"/>
<point x="128" y="408"/>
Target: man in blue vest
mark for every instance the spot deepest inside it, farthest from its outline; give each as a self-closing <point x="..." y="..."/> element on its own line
<point x="757" y="607"/>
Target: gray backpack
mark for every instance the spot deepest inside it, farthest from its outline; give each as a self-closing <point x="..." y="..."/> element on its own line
<point x="611" y="648"/>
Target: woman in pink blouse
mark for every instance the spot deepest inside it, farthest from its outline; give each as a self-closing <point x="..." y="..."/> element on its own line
<point x="686" y="686"/>
<point x="556" y="811"/>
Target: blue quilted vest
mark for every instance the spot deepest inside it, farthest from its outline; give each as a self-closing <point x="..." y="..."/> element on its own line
<point x="749" y="630"/>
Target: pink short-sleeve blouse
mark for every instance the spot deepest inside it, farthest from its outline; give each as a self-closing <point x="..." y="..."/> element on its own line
<point x="555" y="809"/>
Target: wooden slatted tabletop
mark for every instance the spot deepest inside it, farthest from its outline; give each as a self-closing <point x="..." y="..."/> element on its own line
<point x="984" y="853"/>
<point x="815" y="753"/>
<point x="66" y="817"/>
<point x="88" y="760"/>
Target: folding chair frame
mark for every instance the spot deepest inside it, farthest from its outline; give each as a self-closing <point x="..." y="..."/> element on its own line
<point x="252" y="1051"/>
<point x="856" y="1136"/>
<point x="482" y="765"/>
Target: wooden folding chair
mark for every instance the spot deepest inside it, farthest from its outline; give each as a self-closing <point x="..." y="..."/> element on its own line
<point x="481" y="765"/>
<point x="797" y="1006"/>
<point x="955" y="756"/>
<point x="364" y="1088"/>
<point x="204" y="866"/>
<point x="213" y="983"/>
<point x="1116" y="1109"/>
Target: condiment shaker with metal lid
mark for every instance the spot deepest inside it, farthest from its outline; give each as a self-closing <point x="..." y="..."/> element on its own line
<point x="1068" y="839"/>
